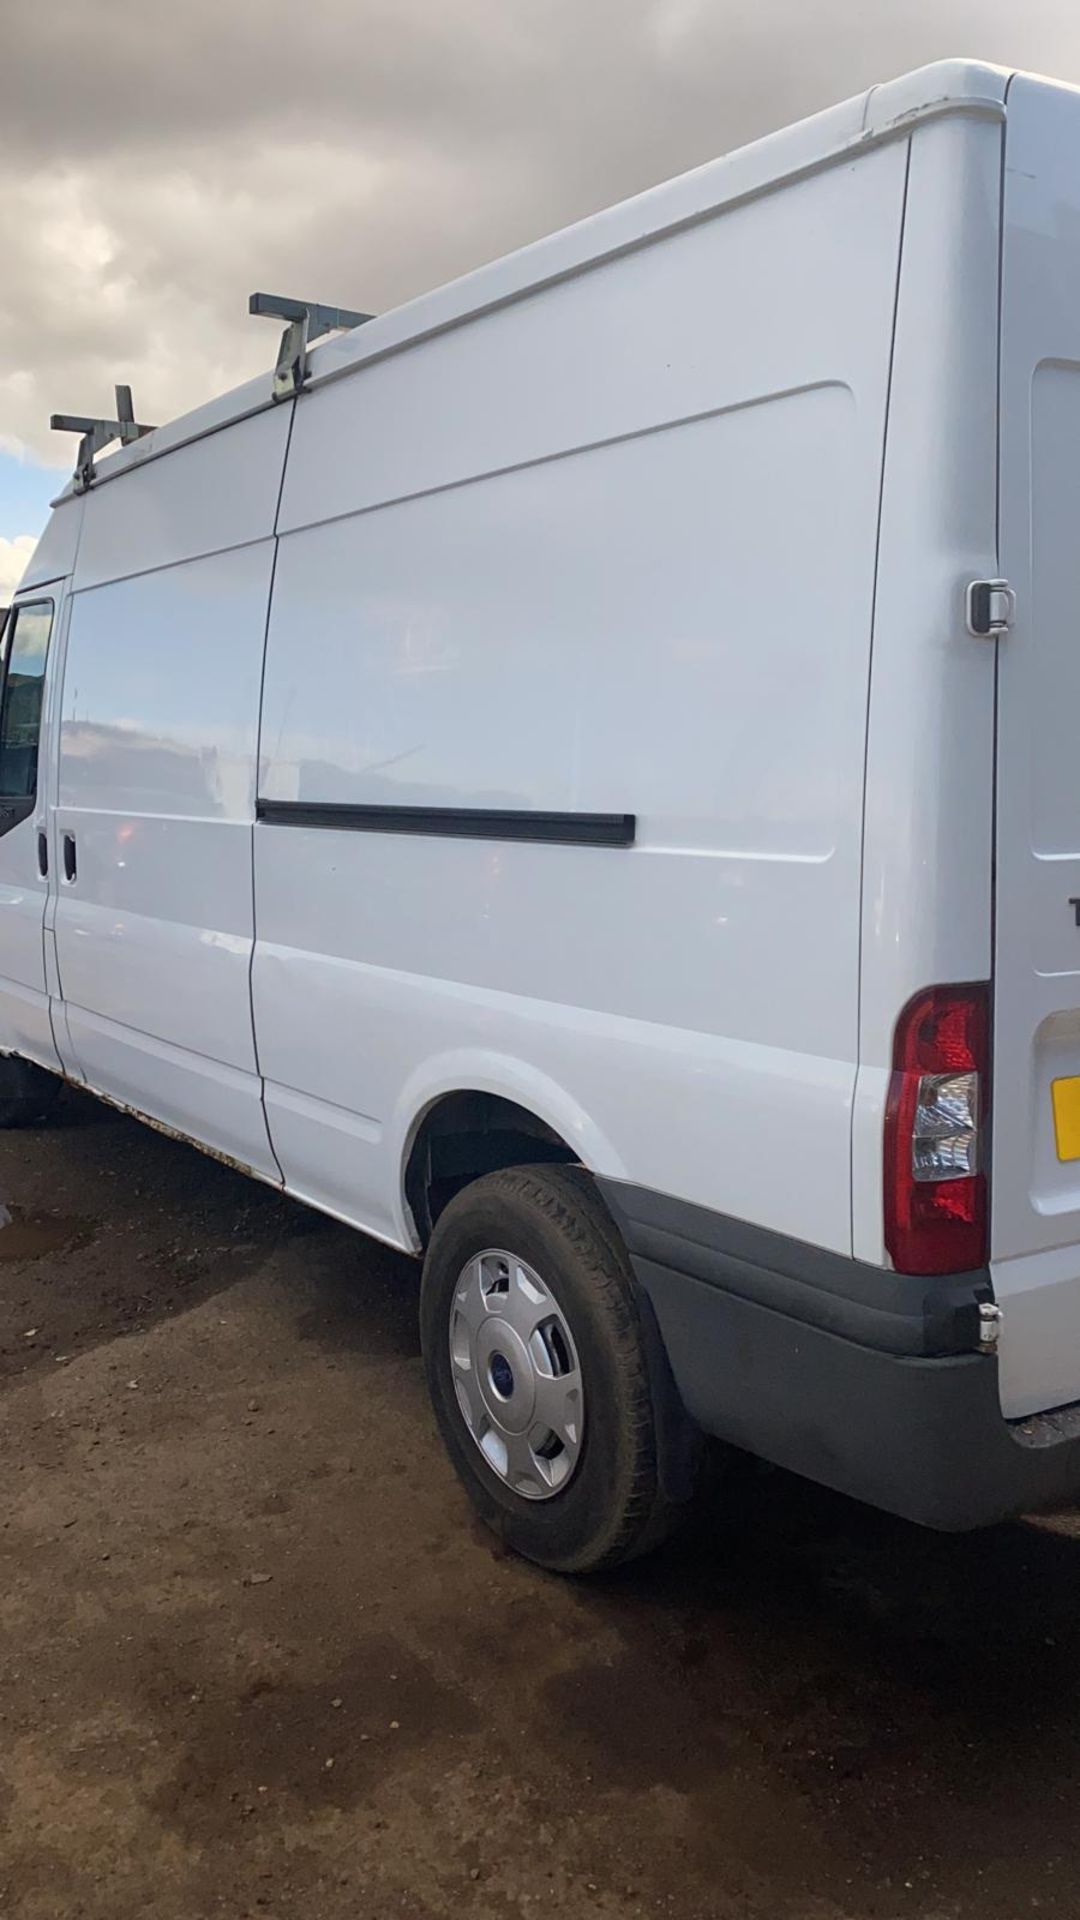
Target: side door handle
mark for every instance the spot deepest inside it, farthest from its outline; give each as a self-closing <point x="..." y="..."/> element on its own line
<point x="43" y="855"/>
<point x="70" y="864"/>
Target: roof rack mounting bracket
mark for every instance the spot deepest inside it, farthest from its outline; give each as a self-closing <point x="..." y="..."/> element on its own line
<point x="96" y="434"/>
<point x="305" y="322"/>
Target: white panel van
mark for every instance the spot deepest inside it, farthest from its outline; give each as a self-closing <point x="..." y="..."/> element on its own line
<point x="585" y="790"/>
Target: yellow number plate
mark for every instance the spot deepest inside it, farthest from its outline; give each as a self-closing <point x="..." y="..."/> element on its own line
<point x="1066" y="1098"/>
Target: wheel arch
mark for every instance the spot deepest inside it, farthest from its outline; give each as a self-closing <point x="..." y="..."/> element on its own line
<point x="476" y="1097"/>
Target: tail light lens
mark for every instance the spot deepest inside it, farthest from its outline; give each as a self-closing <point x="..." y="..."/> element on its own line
<point x="935" y="1187"/>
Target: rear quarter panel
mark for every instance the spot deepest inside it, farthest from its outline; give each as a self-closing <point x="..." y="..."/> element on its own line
<point x="928" y="867"/>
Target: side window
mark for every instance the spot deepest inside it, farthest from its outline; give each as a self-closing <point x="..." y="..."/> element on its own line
<point x="26" y="646"/>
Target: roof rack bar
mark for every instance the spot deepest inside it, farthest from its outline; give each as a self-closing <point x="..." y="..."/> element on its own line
<point x="125" y="416"/>
<point x="96" y="434"/>
<point x="306" y="321"/>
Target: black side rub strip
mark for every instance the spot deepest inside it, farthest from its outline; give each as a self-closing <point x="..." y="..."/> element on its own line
<point x="457" y="823"/>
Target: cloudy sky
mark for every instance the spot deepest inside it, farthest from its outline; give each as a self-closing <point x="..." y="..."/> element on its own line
<point x="162" y="161"/>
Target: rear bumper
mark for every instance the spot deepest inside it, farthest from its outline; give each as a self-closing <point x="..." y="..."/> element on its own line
<point x="863" y="1380"/>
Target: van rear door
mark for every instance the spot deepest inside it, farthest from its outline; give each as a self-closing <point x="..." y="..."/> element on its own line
<point x="1035" y="1191"/>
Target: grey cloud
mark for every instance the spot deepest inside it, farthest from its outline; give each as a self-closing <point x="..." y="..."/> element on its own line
<point x="162" y="160"/>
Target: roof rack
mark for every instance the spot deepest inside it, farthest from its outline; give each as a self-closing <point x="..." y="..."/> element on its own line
<point x="96" y="434"/>
<point x="306" y="321"/>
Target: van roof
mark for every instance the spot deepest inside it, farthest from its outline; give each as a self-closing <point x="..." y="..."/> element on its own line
<point x="947" y="86"/>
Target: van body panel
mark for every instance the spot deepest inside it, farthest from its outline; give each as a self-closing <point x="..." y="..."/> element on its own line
<point x="1035" y="1229"/>
<point x="928" y="848"/>
<point x="603" y="594"/>
<point x="156" y="792"/>
<point x="698" y="323"/>
<point x="54" y="556"/>
<point x="174" y="1089"/>
<point x="217" y="493"/>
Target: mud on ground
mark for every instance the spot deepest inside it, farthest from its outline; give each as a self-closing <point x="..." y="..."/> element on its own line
<point x="256" y="1660"/>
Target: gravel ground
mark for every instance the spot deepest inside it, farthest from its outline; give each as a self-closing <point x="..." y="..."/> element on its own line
<point x="257" y="1660"/>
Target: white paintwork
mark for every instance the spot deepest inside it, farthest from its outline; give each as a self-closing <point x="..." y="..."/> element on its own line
<point x="589" y="633"/>
<point x="1036" y="1216"/>
<point x="156" y="782"/>
<point x="154" y="937"/>
<point x="54" y="556"/>
<point x="927" y="859"/>
<point x="614" y="524"/>
<point x="220" y="492"/>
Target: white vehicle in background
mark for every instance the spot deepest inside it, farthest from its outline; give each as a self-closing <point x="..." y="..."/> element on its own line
<point x="577" y="777"/>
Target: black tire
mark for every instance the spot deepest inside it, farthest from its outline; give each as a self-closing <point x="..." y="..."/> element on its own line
<point x="613" y="1508"/>
<point x="27" y="1092"/>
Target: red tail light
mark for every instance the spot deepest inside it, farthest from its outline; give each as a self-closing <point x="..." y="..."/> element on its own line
<point x="935" y="1187"/>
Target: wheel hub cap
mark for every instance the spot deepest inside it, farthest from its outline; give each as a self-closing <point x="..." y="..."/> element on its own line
<point x="516" y="1374"/>
<point x="502" y="1376"/>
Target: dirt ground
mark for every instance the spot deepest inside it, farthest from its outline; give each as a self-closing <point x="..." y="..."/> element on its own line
<point x="257" y="1660"/>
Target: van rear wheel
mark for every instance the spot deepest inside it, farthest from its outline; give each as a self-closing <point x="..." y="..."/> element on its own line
<point x="537" y="1365"/>
<point x="27" y="1092"/>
